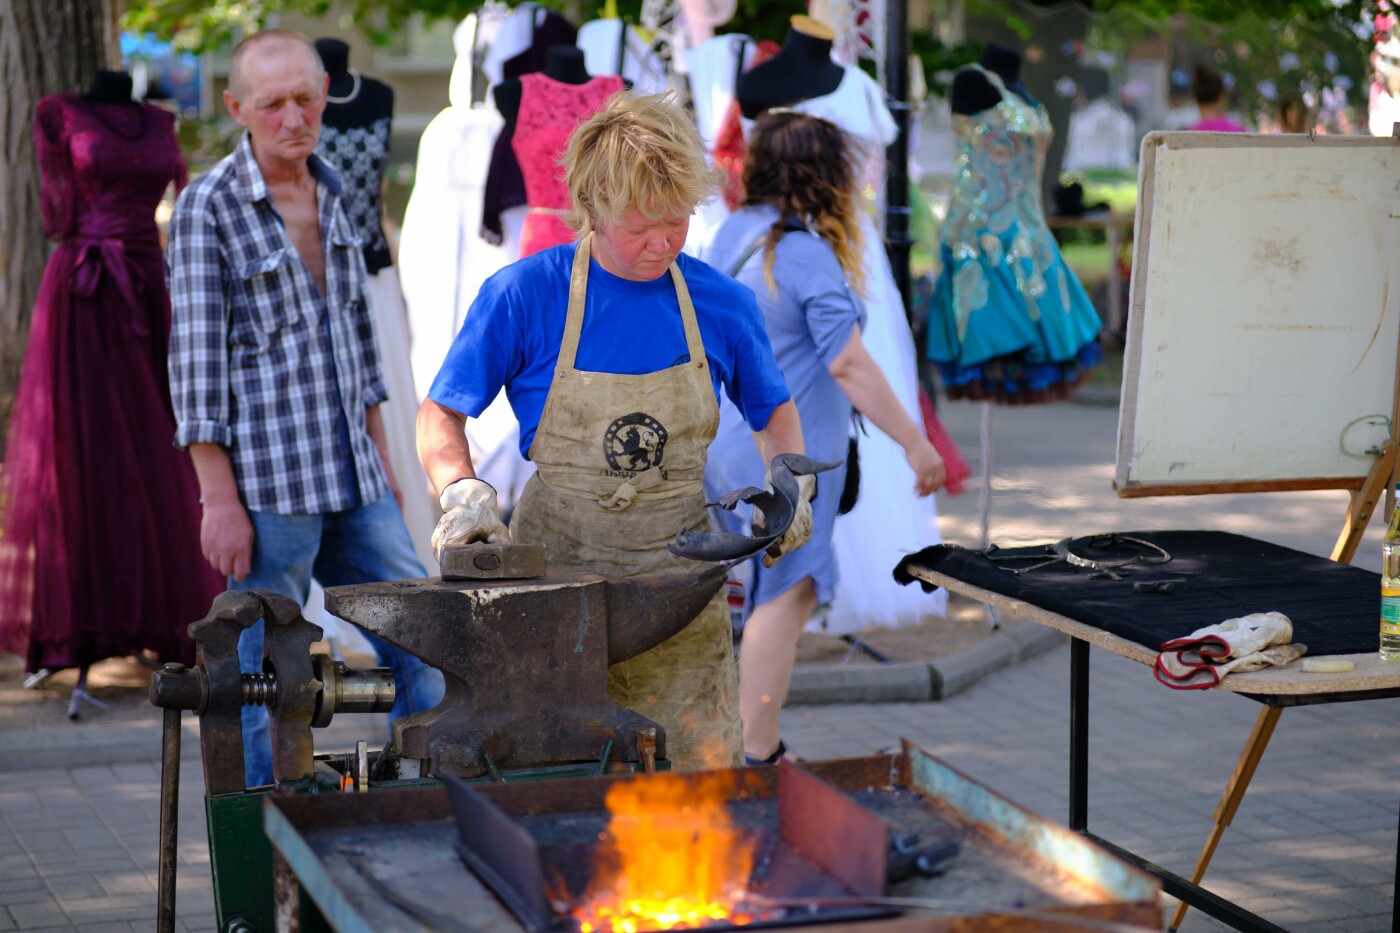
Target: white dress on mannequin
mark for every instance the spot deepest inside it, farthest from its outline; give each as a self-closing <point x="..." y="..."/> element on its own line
<point x="602" y="40"/>
<point x="443" y="259"/>
<point x="713" y="67"/>
<point x="888" y="520"/>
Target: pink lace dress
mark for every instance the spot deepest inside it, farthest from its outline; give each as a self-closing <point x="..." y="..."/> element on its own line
<point x="99" y="513"/>
<point x="550" y="111"/>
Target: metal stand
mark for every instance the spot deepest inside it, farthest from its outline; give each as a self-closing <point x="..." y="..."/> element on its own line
<point x="169" y="815"/>
<point x="984" y="498"/>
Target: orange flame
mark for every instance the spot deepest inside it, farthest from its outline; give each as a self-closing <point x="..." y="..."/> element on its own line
<point x="670" y="858"/>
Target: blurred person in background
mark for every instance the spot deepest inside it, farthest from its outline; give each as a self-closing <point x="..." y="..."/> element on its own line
<point x="1208" y="89"/>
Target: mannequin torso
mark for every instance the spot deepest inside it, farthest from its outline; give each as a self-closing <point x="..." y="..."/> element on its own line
<point x="563" y="63"/>
<point x="801" y="70"/>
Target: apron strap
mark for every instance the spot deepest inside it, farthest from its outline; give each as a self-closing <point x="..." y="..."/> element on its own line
<point x="573" y="318"/>
<point x="693" y="343"/>
<point x="578" y="294"/>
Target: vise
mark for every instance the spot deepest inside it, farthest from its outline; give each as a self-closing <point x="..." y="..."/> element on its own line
<point x="525" y="666"/>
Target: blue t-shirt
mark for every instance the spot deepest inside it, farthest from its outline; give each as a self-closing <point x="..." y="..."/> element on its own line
<point x="511" y="336"/>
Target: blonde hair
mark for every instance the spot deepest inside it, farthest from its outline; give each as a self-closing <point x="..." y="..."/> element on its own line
<point x="804" y="166"/>
<point x="251" y="43"/>
<point x="637" y="153"/>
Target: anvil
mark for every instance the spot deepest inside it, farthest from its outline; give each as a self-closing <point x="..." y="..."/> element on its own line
<point x="526" y="661"/>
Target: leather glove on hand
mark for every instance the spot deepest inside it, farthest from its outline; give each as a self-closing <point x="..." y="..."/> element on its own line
<point x="468" y="515"/>
<point x="800" y="531"/>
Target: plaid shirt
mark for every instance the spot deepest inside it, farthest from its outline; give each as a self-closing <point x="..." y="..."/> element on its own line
<point x="260" y="362"/>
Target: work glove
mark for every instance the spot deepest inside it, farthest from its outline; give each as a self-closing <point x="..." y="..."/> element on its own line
<point x="800" y="531"/>
<point x="468" y="515"/>
<point x="1233" y="638"/>
<point x="1171" y="671"/>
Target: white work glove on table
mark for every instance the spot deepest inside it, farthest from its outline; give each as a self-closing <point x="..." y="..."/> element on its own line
<point x="1249" y="643"/>
<point x="1233" y="638"/>
<point x="468" y="515"/>
<point x="800" y="531"/>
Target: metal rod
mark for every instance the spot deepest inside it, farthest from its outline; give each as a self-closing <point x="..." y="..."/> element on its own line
<point x="1206" y="902"/>
<point x="169" y="818"/>
<point x="1395" y="901"/>
<point x="1079" y="735"/>
<point x="984" y="497"/>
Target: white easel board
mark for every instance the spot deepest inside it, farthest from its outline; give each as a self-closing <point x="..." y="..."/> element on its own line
<point x="1264" y="319"/>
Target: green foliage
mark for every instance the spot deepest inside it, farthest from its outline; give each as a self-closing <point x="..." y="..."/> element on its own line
<point x="201" y="25"/>
<point x="1291" y="45"/>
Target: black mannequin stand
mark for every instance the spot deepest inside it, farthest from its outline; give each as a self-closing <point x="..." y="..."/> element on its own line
<point x="109" y="87"/>
<point x="971" y="92"/>
<point x="802" y="69"/>
<point x="563" y="63"/>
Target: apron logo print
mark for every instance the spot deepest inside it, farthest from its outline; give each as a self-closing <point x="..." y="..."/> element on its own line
<point x="634" y="443"/>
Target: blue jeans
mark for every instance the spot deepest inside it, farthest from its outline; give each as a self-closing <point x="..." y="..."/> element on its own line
<point x="362" y="545"/>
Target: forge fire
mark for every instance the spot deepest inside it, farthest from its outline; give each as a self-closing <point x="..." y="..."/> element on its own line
<point x="670" y="858"/>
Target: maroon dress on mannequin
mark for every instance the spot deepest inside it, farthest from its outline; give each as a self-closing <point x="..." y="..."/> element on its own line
<point x="99" y="512"/>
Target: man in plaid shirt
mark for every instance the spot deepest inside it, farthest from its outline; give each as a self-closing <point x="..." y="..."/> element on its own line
<point x="273" y="368"/>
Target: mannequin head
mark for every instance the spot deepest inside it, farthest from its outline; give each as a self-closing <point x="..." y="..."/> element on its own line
<point x="805" y="25"/>
<point x="802" y="69"/>
<point x="566" y="63"/>
<point x="1003" y="62"/>
<point x="335" y="55"/>
<point x="109" y="87"/>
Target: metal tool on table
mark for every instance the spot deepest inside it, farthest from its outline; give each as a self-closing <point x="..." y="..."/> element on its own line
<point x="1062" y="552"/>
<point x="779" y="507"/>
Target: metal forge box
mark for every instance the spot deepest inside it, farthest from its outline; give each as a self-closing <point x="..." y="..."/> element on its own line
<point x="394" y="860"/>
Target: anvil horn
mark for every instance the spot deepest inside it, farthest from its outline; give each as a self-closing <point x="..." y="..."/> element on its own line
<point x="645" y="610"/>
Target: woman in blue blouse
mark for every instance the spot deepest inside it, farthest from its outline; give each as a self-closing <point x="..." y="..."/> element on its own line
<point x="797" y="245"/>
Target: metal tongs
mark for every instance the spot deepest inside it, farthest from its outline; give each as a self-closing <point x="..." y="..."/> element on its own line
<point x="779" y="507"/>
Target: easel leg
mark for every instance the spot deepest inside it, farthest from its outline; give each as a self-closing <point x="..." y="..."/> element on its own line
<point x="1364" y="502"/>
<point x="1233" y="795"/>
<point x="984" y="499"/>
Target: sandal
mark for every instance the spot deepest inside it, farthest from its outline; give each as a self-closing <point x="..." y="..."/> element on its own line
<point x="770" y="760"/>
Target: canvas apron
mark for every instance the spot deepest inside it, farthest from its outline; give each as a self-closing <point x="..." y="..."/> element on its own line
<point x="620" y="460"/>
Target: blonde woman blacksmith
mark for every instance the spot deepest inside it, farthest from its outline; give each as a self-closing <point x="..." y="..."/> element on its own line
<point x="612" y="352"/>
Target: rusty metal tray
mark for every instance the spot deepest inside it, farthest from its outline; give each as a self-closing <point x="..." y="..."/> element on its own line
<point x="387" y="860"/>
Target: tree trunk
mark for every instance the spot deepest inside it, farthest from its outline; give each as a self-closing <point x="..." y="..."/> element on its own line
<point x="45" y="48"/>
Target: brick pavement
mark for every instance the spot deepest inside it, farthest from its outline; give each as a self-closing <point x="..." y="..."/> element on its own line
<point x="1312" y="848"/>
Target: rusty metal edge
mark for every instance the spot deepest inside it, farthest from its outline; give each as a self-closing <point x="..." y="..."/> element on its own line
<point x="830" y="830"/>
<point x="287" y="841"/>
<point x="1078" y="857"/>
<point x="501" y="852"/>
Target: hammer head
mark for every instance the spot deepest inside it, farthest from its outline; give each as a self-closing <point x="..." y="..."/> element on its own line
<point x="485" y="561"/>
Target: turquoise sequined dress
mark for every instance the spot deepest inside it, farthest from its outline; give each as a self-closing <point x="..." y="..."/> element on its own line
<point x="1008" y="319"/>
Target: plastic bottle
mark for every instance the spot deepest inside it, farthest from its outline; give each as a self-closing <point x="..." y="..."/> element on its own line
<point x="1390" y="587"/>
